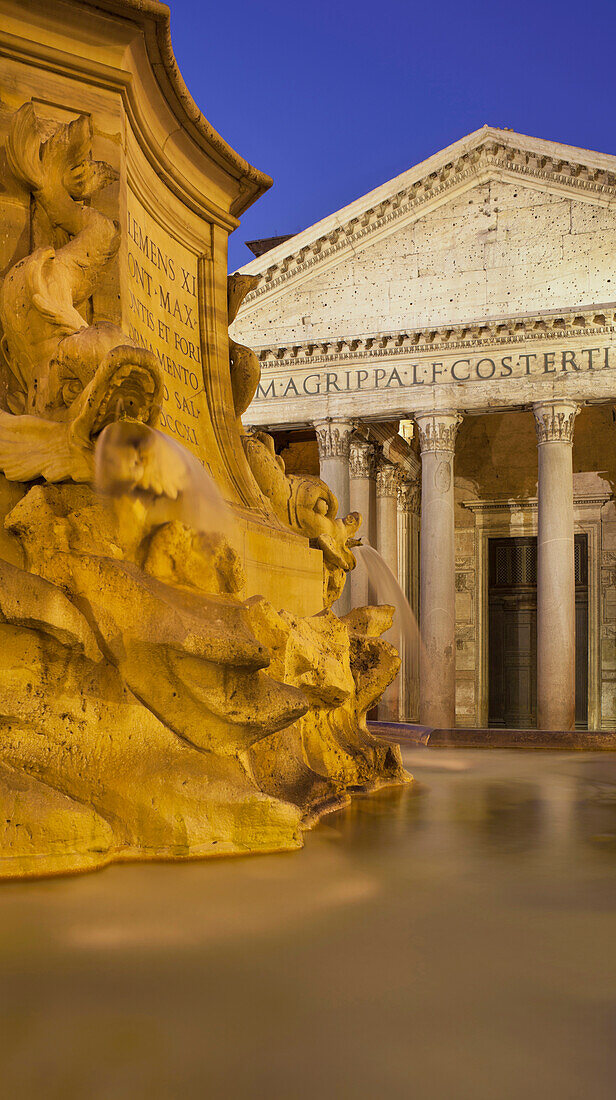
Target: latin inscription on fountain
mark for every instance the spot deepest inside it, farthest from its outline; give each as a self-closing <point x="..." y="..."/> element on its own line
<point x="163" y="316"/>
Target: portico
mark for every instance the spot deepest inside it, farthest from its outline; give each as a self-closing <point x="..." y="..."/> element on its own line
<point x="389" y="503"/>
<point x="472" y="300"/>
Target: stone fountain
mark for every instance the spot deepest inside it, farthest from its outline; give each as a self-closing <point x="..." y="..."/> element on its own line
<point x="169" y="687"/>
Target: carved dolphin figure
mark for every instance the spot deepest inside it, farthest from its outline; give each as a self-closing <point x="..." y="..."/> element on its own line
<point x="65" y="379"/>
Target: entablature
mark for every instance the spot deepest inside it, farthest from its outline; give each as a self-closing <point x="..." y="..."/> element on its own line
<point x="476" y="368"/>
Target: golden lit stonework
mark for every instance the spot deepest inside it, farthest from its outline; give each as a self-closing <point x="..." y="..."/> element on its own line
<point x="172" y="679"/>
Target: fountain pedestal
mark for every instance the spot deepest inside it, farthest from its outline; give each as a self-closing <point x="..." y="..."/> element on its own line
<point x="147" y="657"/>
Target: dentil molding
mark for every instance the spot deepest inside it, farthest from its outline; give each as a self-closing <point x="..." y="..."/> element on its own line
<point x="589" y="321"/>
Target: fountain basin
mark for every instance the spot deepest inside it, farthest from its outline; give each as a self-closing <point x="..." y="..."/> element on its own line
<point x="449" y="938"/>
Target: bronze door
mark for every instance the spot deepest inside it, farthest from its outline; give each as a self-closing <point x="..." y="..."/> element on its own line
<point x="512" y="632"/>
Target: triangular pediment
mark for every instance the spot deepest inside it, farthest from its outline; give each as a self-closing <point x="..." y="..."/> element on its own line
<point x="550" y="163"/>
<point x="496" y="225"/>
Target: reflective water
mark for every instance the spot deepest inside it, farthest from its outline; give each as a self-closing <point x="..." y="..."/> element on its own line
<point x="454" y="939"/>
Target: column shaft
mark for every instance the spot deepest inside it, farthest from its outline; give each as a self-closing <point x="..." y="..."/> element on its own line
<point x="387" y="546"/>
<point x="363" y="500"/>
<point x="387" y="514"/>
<point x="555" y="567"/>
<point x="437" y="669"/>
<point x="408" y="503"/>
<point x="334" y="438"/>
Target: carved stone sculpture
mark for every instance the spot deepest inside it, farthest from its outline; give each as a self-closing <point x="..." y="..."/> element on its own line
<point x="307" y="505"/>
<point x="342" y="668"/>
<point x="146" y="708"/>
<point x="244" y="365"/>
<point x="66" y="379"/>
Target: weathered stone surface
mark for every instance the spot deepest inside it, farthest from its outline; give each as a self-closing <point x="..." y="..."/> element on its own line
<point x="136" y="678"/>
<point x="445" y="288"/>
<point x="342" y="668"/>
<point x="309" y="506"/>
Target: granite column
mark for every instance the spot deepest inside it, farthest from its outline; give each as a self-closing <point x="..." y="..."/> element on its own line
<point x="387" y="514"/>
<point x="554" y="421"/>
<point x="363" y="500"/>
<point x="408" y="524"/>
<point x="387" y="546"/>
<point x="437" y="666"/>
<point x="334" y="440"/>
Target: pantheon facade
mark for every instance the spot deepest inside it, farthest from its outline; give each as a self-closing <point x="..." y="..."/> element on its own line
<point x="443" y="350"/>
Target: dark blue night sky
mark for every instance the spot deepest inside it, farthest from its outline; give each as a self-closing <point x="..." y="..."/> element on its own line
<point x="334" y="98"/>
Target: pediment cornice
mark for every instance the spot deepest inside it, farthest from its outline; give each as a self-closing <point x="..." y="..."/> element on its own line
<point x="489" y="158"/>
<point x="550" y="325"/>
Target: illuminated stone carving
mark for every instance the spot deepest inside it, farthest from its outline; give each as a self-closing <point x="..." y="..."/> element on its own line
<point x="136" y="680"/>
<point x="307" y="505"/>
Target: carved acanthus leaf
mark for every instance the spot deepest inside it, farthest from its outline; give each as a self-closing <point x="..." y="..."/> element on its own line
<point x="409" y="496"/>
<point x="387" y="479"/>
<point x="554" y="421"/>
<point x="362" y="459"/>
<point x="437" y="431"/>
<point x="334" y="438"/>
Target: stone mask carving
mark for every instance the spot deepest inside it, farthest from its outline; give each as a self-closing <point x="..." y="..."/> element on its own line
<point x="307" y="505"/>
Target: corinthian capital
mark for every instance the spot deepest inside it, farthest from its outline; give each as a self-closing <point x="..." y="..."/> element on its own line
<point x="554" y="421"/>
<point x="387" y="479"/>
<point x="409" y="496"/>
<point x="333" y="437"/>
<point x="363" y="459"/>
<point x="437" y="431"/>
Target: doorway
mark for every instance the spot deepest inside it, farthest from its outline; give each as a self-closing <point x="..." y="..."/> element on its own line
<point x="512" y="632"/>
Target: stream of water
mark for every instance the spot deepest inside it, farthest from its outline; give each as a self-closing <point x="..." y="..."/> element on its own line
<point x="134" y="460"/>
<point x="451" y="939"/>
<point x="403" y="634"/>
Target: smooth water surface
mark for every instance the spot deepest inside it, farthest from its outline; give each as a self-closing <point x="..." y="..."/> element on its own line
<point x="453" y="939"/>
